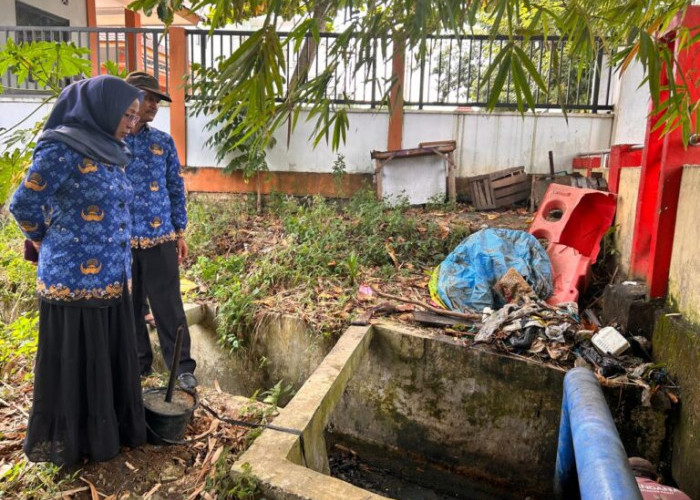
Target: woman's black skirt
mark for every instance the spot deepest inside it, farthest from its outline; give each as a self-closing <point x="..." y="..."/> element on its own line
<point x="87" y="390"/>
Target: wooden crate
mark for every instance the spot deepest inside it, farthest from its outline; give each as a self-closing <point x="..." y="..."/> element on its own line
<point x="499" y="189"/>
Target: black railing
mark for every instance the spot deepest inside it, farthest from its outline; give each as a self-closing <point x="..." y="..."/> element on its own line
<point x="142" y="48"/>
<point x="450" y="71"/>
<point x="361" y="88"/>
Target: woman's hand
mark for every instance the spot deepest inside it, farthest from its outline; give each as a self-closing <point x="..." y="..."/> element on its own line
<point x="181" y="250"/>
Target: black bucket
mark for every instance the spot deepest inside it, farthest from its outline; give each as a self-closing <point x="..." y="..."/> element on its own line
<point x="166" y="422"/>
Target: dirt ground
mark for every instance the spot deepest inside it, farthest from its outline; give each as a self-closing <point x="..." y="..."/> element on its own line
<point x="157" y="472"/>
<point x="187" y="471"/>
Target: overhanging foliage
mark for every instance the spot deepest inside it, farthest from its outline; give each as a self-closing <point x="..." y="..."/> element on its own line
<point x="250" y="89"/>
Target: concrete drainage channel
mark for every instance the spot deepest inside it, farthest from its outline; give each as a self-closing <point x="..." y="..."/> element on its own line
<point x="445" y="420"/>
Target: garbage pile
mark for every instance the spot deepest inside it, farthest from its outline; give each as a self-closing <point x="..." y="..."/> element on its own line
<point x="505" y="275"/>
<point x="558" y="335"/>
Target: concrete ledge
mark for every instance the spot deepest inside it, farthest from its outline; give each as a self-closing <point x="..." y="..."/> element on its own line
<point x="197" y="313"/>
<point x="275" y="457"/>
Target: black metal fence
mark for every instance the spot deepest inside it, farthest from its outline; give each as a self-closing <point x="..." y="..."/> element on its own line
<point x="450" y="71"/>
<point x="142" y="48"/>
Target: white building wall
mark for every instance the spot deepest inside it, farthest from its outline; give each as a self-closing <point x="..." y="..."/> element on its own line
<point x="485" y="143"/>
<point x="14" y="109"/>
<point x="631" y="106"/>
<point x="368" y="130"/>
<point x="73" y="10"/>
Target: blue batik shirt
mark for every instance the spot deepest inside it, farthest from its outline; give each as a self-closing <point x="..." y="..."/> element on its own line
<point x="78" y="208"/>
<point x="158" y="211"/>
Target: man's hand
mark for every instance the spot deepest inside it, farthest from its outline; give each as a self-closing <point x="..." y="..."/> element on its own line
<point x="181" y="250"/>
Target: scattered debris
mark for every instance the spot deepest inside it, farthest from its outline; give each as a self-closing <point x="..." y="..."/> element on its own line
<point x="609" y="341"/>
<point x="433" y="319"/>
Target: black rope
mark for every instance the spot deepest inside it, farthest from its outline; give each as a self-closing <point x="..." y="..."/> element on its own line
<point x="253" y="425"/>
<point x="238" y="423"/>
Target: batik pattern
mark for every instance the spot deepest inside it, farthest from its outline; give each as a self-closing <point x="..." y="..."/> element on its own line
<point x="78" y="208"/>
<point x="158" y="209"/>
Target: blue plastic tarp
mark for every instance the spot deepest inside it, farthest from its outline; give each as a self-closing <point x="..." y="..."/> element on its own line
<point x="468" y="274"/>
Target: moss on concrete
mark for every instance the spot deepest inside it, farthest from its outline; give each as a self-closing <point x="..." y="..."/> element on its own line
<point x="677" y="345"/>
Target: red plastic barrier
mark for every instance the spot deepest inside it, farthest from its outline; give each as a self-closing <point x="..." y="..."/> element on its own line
<point x="571" y="272"/>
<point x="575" y="218"/>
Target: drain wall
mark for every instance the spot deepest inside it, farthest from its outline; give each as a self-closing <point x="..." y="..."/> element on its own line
<point x="477" y="413"/>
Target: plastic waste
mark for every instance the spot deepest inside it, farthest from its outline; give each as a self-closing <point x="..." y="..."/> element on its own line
<point x="609" y="367"/>
<point x="467" y="276"/>
<point x="525" y="340"/>
<point x="609" y="341"/>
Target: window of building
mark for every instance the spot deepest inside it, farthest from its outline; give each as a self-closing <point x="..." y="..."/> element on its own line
<point x="31" y="16"/>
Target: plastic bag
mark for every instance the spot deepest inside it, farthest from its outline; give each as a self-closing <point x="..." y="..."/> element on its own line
<point x="466" y="277"/>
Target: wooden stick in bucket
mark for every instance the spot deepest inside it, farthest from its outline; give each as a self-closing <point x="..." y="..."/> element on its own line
<point x="175" y="363"/>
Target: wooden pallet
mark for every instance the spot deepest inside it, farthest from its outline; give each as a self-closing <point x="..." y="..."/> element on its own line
<point x="499" y="189"/>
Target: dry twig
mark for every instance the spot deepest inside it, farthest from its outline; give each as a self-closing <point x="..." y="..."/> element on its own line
<point x="443" y="312"/>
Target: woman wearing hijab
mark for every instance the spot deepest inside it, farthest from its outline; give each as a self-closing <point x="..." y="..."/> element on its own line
<point x="73" y="206"/>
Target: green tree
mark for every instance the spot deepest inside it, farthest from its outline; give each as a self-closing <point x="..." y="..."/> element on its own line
<point x="253" y="86"/>
<point x="50" y="65"/>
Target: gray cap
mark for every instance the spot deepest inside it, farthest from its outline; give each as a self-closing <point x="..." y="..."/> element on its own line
<point x="144" y="81"/>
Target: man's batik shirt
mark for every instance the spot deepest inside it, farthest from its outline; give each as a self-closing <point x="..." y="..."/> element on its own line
<point x="158" y="210"/>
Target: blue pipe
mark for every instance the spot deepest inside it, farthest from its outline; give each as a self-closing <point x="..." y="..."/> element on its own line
<point x="591" y="461"/>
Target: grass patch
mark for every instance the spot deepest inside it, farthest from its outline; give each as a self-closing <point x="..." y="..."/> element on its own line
<point x="313" y="249"/>
<point x="17" y="276"/>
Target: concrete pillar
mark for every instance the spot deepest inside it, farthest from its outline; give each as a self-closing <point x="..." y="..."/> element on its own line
<point x="133" y="40"/>
<point x="178" y="70"/>
<point x="91" y="14"/>
<point x="398" y="63"/>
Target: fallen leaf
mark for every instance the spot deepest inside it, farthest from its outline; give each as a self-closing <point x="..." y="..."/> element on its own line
<point x="392" y="254"/>
<point x="492" y="216"/>
<point x="217" y="386"/>
<point x="129" y="466"/>
<point x="187" y="285"/>
<point x="212" y="427"/>
<point x="93" y="490"/>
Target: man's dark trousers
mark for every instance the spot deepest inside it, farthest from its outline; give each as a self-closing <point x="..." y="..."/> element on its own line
<point x="155" y="275"/>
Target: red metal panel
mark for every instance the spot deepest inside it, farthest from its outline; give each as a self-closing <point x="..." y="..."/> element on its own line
<point x="621" y="156"/>
<point x="586" y="162"/>
<point x="662" y="164"/>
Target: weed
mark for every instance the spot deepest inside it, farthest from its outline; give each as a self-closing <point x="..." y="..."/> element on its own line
<point x="27" y="480"/>
<point x="319" y="245"/>
<point x="279" y="392"/>
<point x="439" y="202"/>
<point x="353" y="267"/>
<point x="18" y="346"/>
<point x="339" y="170"/>
<point x="17" y="276"/>
<point x="245" y="486"/>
